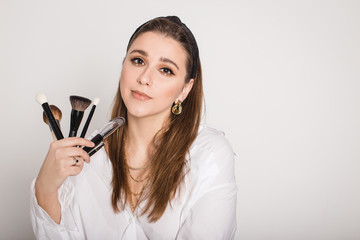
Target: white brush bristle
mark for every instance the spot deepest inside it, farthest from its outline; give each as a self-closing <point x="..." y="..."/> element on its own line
<point x="96" y="101"/>
<point x="41" y="98"/>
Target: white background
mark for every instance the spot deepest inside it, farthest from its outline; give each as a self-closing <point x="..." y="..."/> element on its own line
<point x="282" y="79"/>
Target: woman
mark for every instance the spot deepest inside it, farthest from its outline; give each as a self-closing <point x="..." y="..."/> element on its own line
<point x="160" y="176"/>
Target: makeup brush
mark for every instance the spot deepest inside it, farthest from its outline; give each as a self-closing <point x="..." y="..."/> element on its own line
<point x="79" y="105"/>
<point x="97" y="148"/>
<point x="42" y="100"/>
<point x="57" y="115"/>
<point x="106" y="131"/>
<point x="95" y="103"/>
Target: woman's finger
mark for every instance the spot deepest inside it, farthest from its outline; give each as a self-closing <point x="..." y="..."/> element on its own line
<point x="76" y="166"/>
<point x="72" y="151"/>
<point x="76" y="161"/>
<point x="72" y="141"/>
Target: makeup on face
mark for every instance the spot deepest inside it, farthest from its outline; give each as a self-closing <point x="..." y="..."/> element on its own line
<point x="153" y="75"/>
<point x="141" y="61"/>
<point x="140" y="95"/>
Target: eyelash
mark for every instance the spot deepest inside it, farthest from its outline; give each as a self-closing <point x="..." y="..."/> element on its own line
<point x="166" y="71"/>
<point x="137" y="61"/>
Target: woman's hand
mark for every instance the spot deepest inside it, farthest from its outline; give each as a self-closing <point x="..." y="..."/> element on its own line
<point x="57" y="166"/>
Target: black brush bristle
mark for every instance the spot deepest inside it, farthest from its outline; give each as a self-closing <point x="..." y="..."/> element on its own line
<point x="79" y="103"/>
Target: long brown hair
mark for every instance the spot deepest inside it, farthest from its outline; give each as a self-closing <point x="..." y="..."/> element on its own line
<point x="168" y="160"/>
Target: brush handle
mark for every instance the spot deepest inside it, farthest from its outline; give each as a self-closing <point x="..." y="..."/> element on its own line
<point x="52" y="134"/>
<point x="106" y="131"/>
<point x="75" y="120"/>
<point x="83" y="133"/>
<point x="52" y="121"/>
<point x="57" y="122"/>
<point x="97" y="140"/>
<point x="95" y="149"/>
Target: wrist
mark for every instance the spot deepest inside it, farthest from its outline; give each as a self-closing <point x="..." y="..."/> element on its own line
<point x="43" y="189"/>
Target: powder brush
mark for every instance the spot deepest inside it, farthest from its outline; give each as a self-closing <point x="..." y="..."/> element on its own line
<point x="42" y="100"/>
<point x="87" y="123"/>
<point x="57" y="115"/>
<point x="79" y="105"/>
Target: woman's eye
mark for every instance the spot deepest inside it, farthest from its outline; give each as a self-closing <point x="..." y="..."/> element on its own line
<point x="137" y="61"/>
<point x="167" y="71"/>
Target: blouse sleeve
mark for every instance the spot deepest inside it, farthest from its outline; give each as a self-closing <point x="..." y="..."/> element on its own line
<point x="213" y="213"/>
<point x="44" y="226"/>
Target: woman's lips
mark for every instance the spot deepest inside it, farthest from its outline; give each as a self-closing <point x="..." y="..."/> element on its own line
<point x="140" y="95"/>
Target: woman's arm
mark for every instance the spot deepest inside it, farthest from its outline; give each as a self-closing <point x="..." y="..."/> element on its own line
<point x="57" y="166"/>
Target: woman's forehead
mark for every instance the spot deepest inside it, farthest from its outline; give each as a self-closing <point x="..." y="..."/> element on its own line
<point x="159" y="45"/>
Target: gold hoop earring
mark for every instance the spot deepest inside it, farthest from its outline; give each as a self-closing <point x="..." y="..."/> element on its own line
<point x="177" y="108"/>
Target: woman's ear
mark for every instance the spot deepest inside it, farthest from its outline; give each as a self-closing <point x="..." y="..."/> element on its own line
<point x="187" y="88"/>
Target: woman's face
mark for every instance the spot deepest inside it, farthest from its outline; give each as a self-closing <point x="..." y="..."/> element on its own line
<point x="153" y="76"/>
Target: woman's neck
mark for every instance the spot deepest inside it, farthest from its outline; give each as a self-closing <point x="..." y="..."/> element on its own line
<point x="140" y="134"/>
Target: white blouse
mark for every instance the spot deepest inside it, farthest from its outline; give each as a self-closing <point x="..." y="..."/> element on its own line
<point x="204" y="209"/>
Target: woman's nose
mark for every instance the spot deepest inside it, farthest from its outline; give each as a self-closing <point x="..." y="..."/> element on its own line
<point x="145" y="77"/>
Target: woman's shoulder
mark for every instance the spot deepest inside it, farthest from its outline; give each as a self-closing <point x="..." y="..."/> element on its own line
<point x="211" y="139"/>
<point x="211" y="147"/>
<point x="211" y="159"/>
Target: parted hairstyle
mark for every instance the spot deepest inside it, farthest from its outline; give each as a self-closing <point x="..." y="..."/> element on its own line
<point x="171" y="144"/>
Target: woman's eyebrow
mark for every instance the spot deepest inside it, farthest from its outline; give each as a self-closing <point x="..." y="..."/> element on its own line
<point x="162" y="59"/>
<point x="142" y="52"/>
